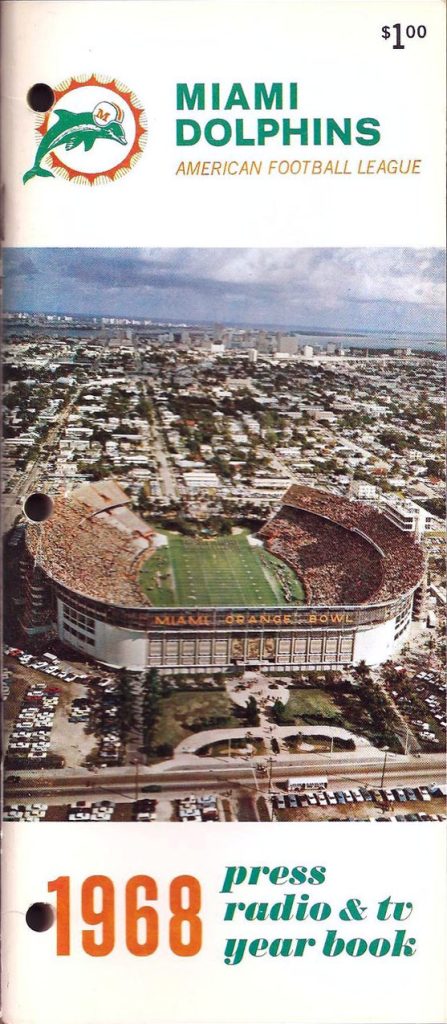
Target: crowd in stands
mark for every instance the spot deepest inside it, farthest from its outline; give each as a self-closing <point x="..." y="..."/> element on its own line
<point x="315" y="532"/>
<point x="94" y="556"/>
<point x="336" y="567"/>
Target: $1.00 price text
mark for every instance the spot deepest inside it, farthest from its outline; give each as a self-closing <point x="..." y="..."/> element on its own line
<point x="398" y="32"/>
<point x="101" y="910"/>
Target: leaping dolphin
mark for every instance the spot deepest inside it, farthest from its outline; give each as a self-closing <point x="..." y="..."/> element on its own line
<point x="70" y="131"/>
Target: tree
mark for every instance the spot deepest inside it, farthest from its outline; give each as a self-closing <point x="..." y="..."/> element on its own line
<point x="361" y="670"/>
<point x="435" y="467"/>
<point x="436" y="506"/>
<point x="391" y="439"/>
<point x="279" y="713"/>
<point x="152" y="695"/>
<point x="101" y="435"/>
<point x="127" y="704"/>
<point x="252" y="711"/>
<point x="165" y="750"/>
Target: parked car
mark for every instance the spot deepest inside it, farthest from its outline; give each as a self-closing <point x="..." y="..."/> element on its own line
<point x="435" y="790"/>
<point x="357" y="796"/>
<point x="366" y="794"/>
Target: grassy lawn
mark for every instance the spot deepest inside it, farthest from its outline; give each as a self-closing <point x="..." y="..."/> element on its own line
<point x="362" y="719"/>
<point x="346" y="708"/>
<point x="315" y="704"/>
<point x="185" y="713"/>
<point x="222" y="571"/>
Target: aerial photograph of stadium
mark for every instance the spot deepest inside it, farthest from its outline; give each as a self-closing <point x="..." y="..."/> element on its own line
<point x="223" y="531"/>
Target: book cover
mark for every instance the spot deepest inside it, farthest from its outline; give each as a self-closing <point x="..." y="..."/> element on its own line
<point x="223" y="512"/>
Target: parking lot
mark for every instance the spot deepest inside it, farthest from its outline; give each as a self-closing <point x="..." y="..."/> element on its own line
<point x="30" y="727"/>
<point x="197" y="808"/>
<point x="25" y="812"/>
<point x="421" y="803"/>
<point x="421" y="697"/>
<point x="69" y="743"/>
<point x="47" y="663"/>
<point x="84" y="810"/>
<point x="144" y="808"/>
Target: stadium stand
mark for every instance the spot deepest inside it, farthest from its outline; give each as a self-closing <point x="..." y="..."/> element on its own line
<point x="393" y="564"/>
<point x="344" y="552"/>
<point x="97" y="554"/>
<point x="335" y="566"/>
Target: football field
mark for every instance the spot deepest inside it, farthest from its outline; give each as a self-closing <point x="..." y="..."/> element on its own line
<point x="222" y="571"/>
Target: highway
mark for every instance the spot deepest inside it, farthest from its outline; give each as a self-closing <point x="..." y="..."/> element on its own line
<point x="167" y="478"/>
<point x="402" y="770"/>
<point x="27" y="481"/>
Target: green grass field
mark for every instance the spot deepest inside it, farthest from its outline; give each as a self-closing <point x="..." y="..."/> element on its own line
<point x="224" y="571"/>
<point x="184" y="713"/>
<point x="311" y="703"/>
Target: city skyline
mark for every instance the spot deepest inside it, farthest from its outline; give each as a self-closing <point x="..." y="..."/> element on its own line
<point x="371" y="290"/>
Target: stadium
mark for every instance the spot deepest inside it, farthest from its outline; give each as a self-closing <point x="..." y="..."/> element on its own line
<point x="327" y="582"/>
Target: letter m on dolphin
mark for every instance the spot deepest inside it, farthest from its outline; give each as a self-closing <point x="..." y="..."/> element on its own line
<point x="72" y="130"/>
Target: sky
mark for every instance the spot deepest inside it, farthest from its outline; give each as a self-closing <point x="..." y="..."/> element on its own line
<point x="352" y="289"/>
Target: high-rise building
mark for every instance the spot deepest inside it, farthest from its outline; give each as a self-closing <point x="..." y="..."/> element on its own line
<point x="288" y="343"/>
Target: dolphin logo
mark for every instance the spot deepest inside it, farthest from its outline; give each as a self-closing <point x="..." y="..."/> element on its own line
<point x="72" y="130"/>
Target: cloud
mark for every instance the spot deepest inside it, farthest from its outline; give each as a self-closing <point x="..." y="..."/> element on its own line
<point x="383" y="289"/>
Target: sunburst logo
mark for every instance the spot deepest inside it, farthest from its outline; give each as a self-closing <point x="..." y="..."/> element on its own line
<point x="94" y="132"/>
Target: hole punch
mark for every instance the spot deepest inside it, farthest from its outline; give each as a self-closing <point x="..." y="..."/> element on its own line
<point x="38" y="507"/>
<point x="40" y="97"/>
<point x="40" y="917"/>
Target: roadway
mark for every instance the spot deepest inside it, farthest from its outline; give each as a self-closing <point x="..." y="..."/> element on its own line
<point x="280" y="465"/>
<point x="167" y="479"/>
<point x="30" y="478"/>
<point x="218" y="774"/>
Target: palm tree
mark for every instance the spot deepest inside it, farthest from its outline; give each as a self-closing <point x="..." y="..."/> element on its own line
<point x="361" y="670"/>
